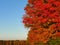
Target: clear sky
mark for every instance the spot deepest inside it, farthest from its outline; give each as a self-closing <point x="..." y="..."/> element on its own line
<point x="11" y="27"/>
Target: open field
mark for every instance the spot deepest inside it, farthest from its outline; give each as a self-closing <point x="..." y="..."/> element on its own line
<point x="17" y="42"/>
<point x="13" y="42"/>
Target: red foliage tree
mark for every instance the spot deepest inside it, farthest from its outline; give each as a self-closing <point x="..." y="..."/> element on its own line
<point x="43" y="19"/>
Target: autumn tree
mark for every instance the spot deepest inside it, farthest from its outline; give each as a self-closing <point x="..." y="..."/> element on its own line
<point x="42" y="17"/>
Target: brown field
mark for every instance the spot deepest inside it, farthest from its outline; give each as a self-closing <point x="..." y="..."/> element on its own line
<point x="13" y="42"/>
<point x="17" y="42"/>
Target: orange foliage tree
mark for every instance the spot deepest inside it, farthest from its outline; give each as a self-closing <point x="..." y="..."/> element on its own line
<point x="43" y="19"/>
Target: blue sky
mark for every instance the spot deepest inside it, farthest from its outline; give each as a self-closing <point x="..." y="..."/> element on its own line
<point x="11" y="26"/>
